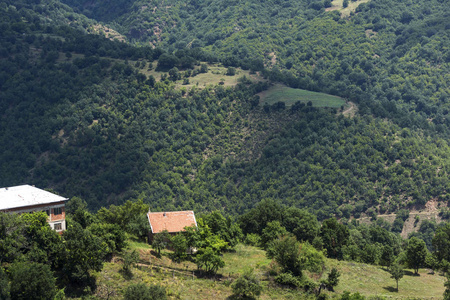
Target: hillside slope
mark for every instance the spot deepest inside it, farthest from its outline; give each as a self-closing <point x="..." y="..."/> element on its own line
<point x="178" y="279"/>
<point x="81" y="117"/>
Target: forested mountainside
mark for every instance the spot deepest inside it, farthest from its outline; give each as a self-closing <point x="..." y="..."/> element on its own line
<point x="387" y="52"/>
<point x="80" y="116"/>
<point x="214" y="106"/>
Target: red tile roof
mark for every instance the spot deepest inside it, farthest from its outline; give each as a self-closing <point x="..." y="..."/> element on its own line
<point x="172" y="221"/>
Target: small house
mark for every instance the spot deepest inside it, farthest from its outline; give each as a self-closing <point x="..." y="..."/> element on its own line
<point x="27" y="199"/>
<point x="172" y="221"/>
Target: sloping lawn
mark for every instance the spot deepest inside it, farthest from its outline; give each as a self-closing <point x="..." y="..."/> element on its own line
<point x="289" y="96"/>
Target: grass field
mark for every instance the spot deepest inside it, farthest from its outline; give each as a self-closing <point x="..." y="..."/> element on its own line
<point x="373" y="280"/>
<point x="180" y="283"/>
<point x="290" y="96"/>
<point x="345" y="12"/>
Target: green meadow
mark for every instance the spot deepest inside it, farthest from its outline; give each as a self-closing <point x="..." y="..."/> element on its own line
<point x="289" y="96"/>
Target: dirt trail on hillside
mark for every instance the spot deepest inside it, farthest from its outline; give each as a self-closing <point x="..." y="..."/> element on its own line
<point x="351" y="110"/>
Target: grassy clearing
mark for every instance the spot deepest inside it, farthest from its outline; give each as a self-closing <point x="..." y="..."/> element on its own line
<point x="244" y="257"/>
<point x="371" y="280"/>
<point x="178" y="279"/>
<point x="290" y="96"/>
<point x="216" y="73"/>
<point x="345" y="12"/>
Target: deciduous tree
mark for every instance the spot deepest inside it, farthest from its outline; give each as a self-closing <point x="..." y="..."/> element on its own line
<point x="416" y="253"/>
<point x="396" y="271"/>
<point x="32" y="281"/>
<point x="160" y="241"/>
<point x="286" y="252"/>
<point x="334" y="236"/>
<point x="4" y="285"/>
<point x="209" y="260"/>
<point x="82" y="252"/>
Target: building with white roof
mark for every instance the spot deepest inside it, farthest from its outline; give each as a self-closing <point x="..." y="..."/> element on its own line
<point x="26" y="198"/>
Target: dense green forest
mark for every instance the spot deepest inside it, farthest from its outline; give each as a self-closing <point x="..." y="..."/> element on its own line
<point x="82" y="119"/>
<point x="393" y="53"/>
<point x="112" y="122"/>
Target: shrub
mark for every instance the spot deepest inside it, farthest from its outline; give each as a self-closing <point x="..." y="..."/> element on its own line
<point x="312" y="259"/>
<point x="247" y="285"/>
<point x="203" y="68"/>
<point x="332" y="279"/>
<point x="142" y="292"/>
<point x="231" y="71"/>
<point x="252" y="239"/>
<point x="286" y="252"/>
<point x="288" y="279"/>
<point x="129" y="260"/>
<point x="309" y="285"/>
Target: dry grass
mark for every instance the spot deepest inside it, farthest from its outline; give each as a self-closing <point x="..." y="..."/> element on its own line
<point x="371" y="280"/>
<point x="345" y="12"/>
<point x="181" y="284"/>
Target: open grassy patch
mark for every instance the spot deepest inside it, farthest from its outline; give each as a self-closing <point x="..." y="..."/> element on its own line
<point x="216" y="74"/>
<point x="371" y="280"/>
<point x="345" y="12"/>
<point x="244" y="257"/>
<point x="180" y="282"/>
<point x="289" y="96"/>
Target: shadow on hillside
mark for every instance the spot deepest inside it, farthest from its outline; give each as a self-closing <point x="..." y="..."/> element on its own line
<point x="405" y="272"/>
<point x="237" y="297"/>
<point x="127" y="274"/>
<point x="409" y="273"/>
<point x="390" y="289"/>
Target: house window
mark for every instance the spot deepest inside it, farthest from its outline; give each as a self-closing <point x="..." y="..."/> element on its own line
<point x="57" y="211"/>
<point x="57" y="226"/>
<point x="47" y="211"/>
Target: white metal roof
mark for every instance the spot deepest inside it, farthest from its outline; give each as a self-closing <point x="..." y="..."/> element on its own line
<point x="26" y="195"/>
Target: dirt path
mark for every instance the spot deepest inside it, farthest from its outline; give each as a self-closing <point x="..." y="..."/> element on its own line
<point x="351" y="110"/>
